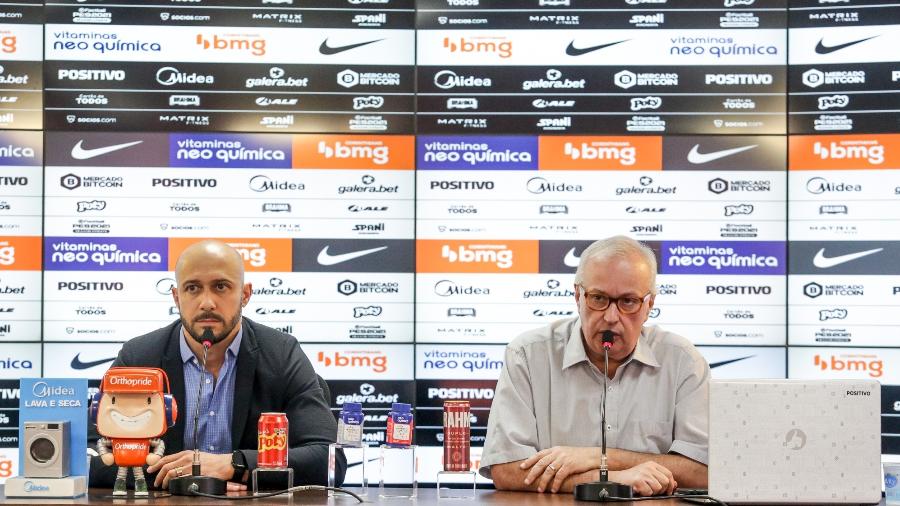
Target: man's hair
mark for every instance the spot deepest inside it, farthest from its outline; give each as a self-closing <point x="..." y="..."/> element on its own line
<point x="618" y="246"/>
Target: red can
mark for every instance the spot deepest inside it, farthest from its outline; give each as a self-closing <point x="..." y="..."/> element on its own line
<point x="456" y="436"/>
<point x="273" y="441"/>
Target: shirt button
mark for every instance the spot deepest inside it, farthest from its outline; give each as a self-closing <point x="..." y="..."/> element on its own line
<point x="609" y="388"/>
<point x="609" y="427"/>
<point x="212" y="413"/>
<point x="208" y="381"/>
<point x="211" y="447"/>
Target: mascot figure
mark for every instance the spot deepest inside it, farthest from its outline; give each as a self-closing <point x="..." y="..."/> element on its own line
<point x="132" y="411"/>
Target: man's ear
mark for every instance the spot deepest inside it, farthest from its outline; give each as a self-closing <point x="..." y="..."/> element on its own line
<point x="246" y="292"/>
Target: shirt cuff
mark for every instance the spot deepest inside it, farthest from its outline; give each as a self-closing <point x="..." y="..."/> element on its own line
<point x="693" y="451"/>
<point x="502" y="458"/>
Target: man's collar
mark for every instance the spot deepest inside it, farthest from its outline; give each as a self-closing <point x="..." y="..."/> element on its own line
<point x="187" y="353"/>
<point x="575" y="352"/>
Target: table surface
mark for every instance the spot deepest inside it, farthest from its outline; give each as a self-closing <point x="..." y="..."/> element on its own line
<point x="426" y="496"/>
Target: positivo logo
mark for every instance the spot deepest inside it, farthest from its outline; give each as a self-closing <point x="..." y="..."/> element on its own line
<point x="795" y="439"/>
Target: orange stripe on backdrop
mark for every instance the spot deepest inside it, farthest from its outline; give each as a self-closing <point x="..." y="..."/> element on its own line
<point x="844" y="152"/>
<point x="260" y="255"/>
<point x="369" y="152"/>
<point x="20" y="253"/>
<point x="599" y="153"/>
<point x="476" y="256"/>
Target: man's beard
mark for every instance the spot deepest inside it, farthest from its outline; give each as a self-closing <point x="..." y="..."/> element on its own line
<point x="199" y="337"/>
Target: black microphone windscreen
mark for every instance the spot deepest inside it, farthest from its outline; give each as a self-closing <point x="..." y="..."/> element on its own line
<point x="207" y="337"/>
<point x="608" y="336"/>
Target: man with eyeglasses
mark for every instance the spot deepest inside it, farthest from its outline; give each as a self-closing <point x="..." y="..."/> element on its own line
<point x="544" y="429"/>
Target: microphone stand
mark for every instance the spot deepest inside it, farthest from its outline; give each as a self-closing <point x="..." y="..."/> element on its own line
<point x="603" y="490"/>
<point x="196" y="482"/>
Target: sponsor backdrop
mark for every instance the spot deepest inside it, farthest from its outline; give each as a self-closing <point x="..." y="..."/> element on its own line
<point x="411" y="184"/>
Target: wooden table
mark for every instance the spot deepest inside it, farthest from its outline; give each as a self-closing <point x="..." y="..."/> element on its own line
<point x="426" y="496"/>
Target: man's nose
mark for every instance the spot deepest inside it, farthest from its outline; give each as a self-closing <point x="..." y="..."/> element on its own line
<point x="611" y="314"/>
<point x="207" y="303"/>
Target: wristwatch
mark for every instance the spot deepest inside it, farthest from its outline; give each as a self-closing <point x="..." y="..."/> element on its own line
<point x="239" y="463"/>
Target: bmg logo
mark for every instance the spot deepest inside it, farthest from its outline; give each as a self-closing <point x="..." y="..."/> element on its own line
<point x="8" y="44"/>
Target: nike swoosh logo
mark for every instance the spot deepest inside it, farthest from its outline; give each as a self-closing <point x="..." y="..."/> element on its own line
<point x="823" y="49"/>
<point x="326" y="259"/>
<point x="328" y="50"/>
<point x="696" y="157"/>
<point x="78" y="364"/>
<point x="823" y="262"/>
<point x="571" y="259"/>
<point x="571" y="50"/>
<point x="79" y="153"/>
<point x="726" y="362"/>
<point x="354" y="464"/>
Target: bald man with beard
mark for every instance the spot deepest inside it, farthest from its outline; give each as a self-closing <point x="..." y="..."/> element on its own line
<point x="250" y="369"/>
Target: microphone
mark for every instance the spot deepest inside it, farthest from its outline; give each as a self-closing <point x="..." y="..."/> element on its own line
<point x="603" y="490"/>
<point x="607" y="339"/>
<point x="196" y="482"/>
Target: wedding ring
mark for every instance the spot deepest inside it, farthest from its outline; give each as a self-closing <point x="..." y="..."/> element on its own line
<point x="178" y="471"/>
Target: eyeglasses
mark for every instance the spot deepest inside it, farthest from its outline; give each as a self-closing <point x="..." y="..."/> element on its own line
<point x="599" y="301"/>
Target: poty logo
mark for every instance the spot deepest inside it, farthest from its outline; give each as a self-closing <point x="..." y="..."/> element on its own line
<point x="872" y="151"/>
<point x="833" y="101"/>
<point x="626" y="155"/>
<point x="496" y="254"/>
<point x="129" y="381"/>
<point x="254" y="44"/>
<point x="731" y="210"/>
<point x="8" y="44"/>
<point x="375" y="361"/>
<point x="638" y="104"/>
<point x="851" y="363"/>
<point x="371" y="150"/>
<point x="482" y="44"/>
<point x="370" y="102"/>
<point x="832" y="314"/>
<point x="360" y="311"/>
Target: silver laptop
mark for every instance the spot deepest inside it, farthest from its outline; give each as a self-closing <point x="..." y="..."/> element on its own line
<point x="795" y="441"/>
